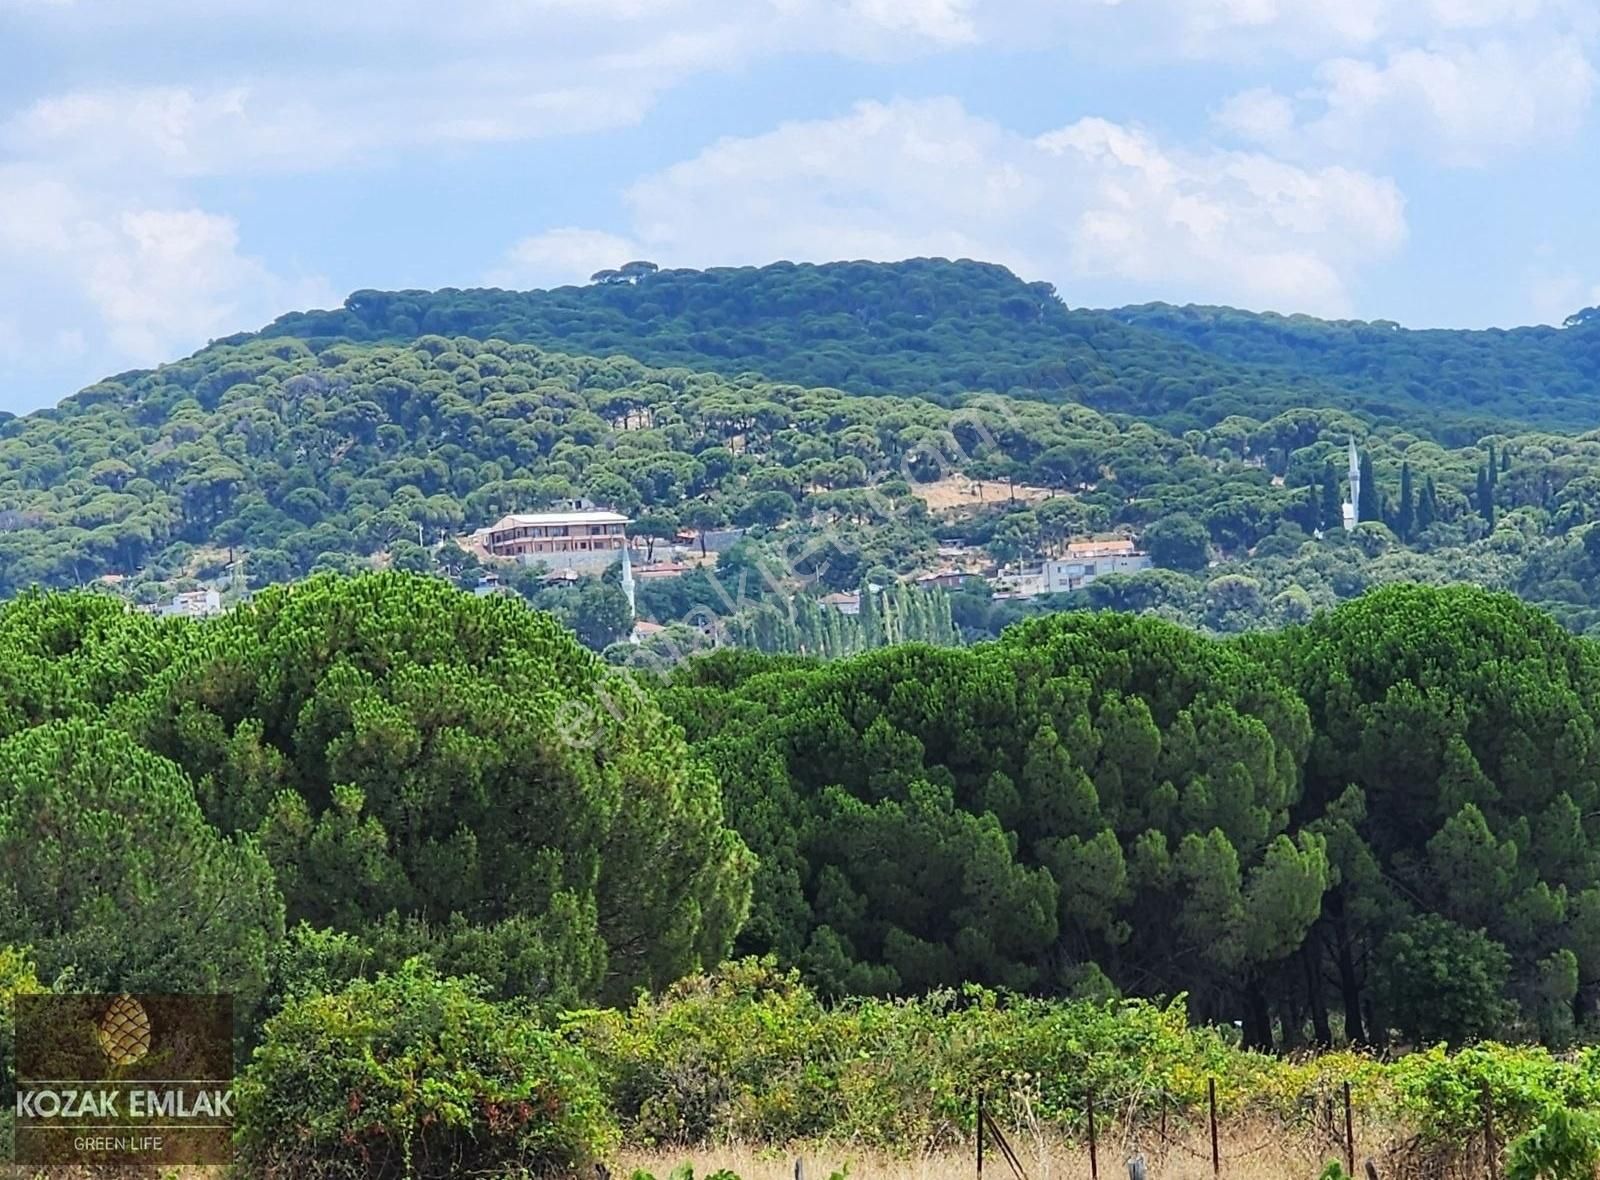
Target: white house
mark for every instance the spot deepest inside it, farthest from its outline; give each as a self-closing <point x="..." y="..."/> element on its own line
<point x="193" y="604"/>
<point x="1087" y="560"/>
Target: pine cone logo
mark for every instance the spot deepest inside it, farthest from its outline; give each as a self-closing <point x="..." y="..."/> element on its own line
<point x="125" y="1031"/>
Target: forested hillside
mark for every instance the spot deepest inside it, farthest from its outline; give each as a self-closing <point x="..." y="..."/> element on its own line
<point x="933" y="327"/>
<point x="294" y="460"/>
<point x="265" y="459"/>
<point x="1538" y="374"/>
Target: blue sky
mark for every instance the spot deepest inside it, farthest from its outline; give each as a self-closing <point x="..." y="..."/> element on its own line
<point x="172" y="170"/>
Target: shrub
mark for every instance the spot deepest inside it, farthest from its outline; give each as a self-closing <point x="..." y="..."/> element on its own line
<point x="416" y="1075"/>
<point x="17" y="978"/>
<point x="1564" y="1146"/>
<point x="750" y="1054"/>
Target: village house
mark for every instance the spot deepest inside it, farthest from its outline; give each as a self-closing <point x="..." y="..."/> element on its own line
<point x="945" y="579"/>
<point x="192" y="604"/>
<point x="1084" y="562"/>
<point x="1087" y="560"/>
<point x="846" y="603"/>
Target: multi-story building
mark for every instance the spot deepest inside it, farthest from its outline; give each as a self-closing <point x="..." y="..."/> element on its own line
<point x="577" y="535"/>
<point x="1087" y="560"/>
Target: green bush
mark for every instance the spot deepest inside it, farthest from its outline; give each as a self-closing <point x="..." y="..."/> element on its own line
<point x="1564" y="1146"/>
<point x="416" y="1075"/>
<point x="750" y="1054"/>
<point x="17" y="978"/>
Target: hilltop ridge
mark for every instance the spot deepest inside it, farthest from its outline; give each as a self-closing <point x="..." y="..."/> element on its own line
<point x="938" y="328"/>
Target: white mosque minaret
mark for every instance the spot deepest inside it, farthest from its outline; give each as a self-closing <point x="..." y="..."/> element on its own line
<point x="1352" y="509"/>
<point x="630" y="590"/>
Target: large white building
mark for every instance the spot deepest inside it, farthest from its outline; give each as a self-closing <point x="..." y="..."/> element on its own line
<point x="576" y="536"/>
<point x="1084" y="562"/>
<point x="1087" y="560"/>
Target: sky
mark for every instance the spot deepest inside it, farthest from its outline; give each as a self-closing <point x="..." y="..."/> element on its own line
<point x="172" y="171"/>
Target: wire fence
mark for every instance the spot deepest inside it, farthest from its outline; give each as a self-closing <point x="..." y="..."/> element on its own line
<point x="1327" y="1126"/>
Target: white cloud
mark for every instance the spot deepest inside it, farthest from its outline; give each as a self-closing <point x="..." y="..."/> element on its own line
<point x="1261" y="115"/>
<point x="1253" y="29"/>
<point x="1479" y="14"/>
<point x="168" y="279"/>
<point x="1093" y="202"/>
<point x="558" y="257"/>
<point x="1464" y="105"/>
<point x="1213" y="25"/>
<point x="942" y="22"/>
<point x="145" y="283"/>
<point x="498" y="70"/>
<point x="358" y="86"/>
<point x="1553" y="295"/>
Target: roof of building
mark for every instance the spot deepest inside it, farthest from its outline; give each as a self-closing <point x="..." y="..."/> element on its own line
<point x="538" y="519"/>
<point x="1114" y="548"/>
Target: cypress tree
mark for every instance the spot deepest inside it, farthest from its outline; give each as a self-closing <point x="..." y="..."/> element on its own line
<point x="1332" y="512"/>
<point x="1371" y="505"/>
<point x="1406" y="518"/>
<point x="1427" y="505"/>
<point x="1486" y="496"/>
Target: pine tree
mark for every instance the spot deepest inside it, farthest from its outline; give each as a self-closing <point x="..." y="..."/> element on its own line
<point x="1406" y="518"/>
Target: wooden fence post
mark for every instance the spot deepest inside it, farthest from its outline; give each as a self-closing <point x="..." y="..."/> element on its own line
<point x="980" y="1135"/>
<point x="1094" y="1159"/>
<point x="1216" y="1151"/>
<point x="1490" y="1155"/>
<point x="1349" y="1134"/>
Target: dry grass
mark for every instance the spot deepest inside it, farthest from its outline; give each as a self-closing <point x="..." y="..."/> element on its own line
<point x="960" y="491"/>
<point x="1262" y="1152"/>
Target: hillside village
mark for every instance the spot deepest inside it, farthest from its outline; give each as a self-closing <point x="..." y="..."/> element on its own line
<point x="578" y="538"/>
<point x="575" y="540"/>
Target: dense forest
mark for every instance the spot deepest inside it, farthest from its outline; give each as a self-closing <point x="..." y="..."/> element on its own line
<point x="258" y="462"/>
<point x="422" y="834"/>
<point x="934" y="327"/>
<point x="1305" y="831"/>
